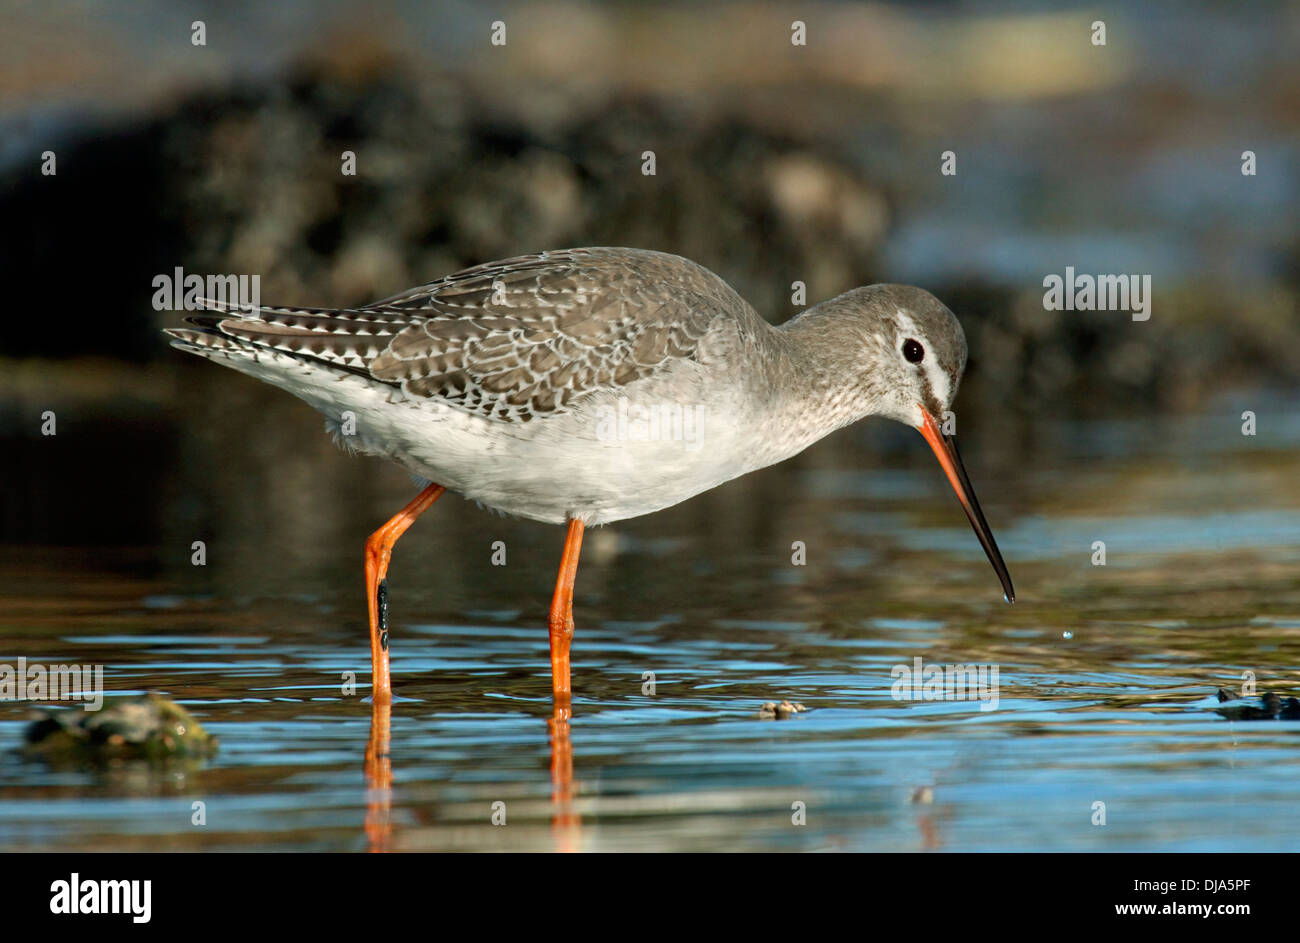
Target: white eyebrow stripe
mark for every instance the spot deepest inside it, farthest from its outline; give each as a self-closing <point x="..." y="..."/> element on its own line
<point x="940" y="382"/>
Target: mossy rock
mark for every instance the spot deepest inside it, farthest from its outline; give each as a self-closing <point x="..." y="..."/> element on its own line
<point x="151" y="727"/>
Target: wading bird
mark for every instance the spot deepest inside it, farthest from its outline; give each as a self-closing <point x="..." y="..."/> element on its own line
<point x="505" y="382"/>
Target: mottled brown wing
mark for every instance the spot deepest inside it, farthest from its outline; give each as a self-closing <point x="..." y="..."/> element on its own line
<point x="526" y="337"/>
<point x="516" y="339"/>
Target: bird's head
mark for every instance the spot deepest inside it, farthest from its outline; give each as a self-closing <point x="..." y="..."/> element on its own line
<point x="908" y="352"/>
<point x="914" y="352"/>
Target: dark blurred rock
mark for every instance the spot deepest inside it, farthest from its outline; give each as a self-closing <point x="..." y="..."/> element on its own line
<point x="150" y="727"/>
<point x="446" y="180"/>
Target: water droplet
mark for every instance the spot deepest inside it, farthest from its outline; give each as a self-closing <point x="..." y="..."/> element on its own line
<point x="1067" y="634"/>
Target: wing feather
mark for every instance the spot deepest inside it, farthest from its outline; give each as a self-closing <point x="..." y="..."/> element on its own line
<point x="516" y="339"/>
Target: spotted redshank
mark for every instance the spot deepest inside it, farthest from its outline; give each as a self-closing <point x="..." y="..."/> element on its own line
<point x="585" y="386"/>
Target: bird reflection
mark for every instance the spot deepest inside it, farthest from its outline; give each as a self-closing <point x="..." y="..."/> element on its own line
<point x="379" y="777"/>
<point x="566" y="824"/>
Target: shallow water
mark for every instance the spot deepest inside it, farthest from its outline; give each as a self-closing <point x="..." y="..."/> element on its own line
<point x="1105" y="672"/>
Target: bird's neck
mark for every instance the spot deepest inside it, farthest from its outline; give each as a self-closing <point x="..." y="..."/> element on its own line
<point x="814" y="382"/>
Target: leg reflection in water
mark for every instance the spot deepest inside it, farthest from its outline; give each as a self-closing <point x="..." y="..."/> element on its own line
<point x="379" y="777"/>
<point x="566" y="825"/>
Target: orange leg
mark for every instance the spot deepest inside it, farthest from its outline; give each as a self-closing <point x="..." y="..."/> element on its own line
<point x="379" y="550"/>
<point x="561" y="621"/>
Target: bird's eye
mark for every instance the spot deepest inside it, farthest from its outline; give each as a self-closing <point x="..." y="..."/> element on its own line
<point x="913" y="351"/>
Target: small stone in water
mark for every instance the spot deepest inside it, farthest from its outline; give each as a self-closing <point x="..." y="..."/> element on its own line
<point x="1269" y="707"/>
<point x="772" y="710"/>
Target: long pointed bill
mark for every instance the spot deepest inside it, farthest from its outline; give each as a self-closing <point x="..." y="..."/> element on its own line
<point x="945" y="450"/>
